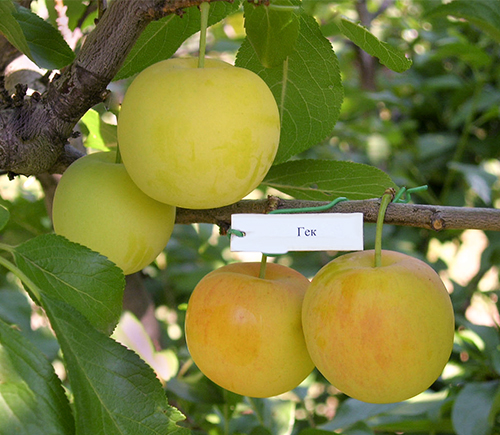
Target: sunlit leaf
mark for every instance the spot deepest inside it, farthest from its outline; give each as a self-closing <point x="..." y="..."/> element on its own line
<point x="47" y="46"/>
<point x="161" y="39"/>
<point x="389" y="56"/>
<point x="325" y="180"/>
<point x="73" y="273"/>
<point x="31" y="394"/>
<point x="11" y="29"/>
<point x="115" y="392"/>
<point x="272" y="30"/>
<point x="101" y="136"/>
<point x="307" y="88"/>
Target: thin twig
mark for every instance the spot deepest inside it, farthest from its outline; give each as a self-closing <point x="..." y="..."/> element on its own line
<point x="436" y="218"/>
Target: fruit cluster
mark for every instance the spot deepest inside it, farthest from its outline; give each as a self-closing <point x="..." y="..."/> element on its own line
<point x="379" y="334"/>
<point x="188" y="137"/>
<point x="204" y="138"/>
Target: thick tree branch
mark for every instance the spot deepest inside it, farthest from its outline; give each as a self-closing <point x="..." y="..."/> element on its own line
<point x="431" y="217"/>
<point x="34" y="131"/>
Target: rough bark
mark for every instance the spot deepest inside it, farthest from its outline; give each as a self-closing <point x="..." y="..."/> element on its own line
<point x="34" y="130"/>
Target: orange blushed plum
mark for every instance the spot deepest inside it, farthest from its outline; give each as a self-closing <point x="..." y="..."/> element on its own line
<point x="245" y="333"/>
<point x="379" y="334"/>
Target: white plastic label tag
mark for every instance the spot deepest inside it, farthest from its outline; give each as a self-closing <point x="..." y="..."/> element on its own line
<point x="281" y="233"/>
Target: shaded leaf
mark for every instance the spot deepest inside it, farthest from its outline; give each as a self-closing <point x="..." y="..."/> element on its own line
<point x="277" y="416"/>
<point x="47" y="46"/>
<point x="359" y="428"/>
<point x="423" y="413"/>
<point x="115" y="392"/>
<point x="161" y="39"/>
<point x="477" y="178"/>
<point x="469" y="53"/>
<point x="389" y="56"/>
<point x="272" y="30"/>
<point x="11" y="29"/>
<point x="73" y="273"/>
<point x="31" y="394"/>
<point x="307" y="88"/>
<point x="4" y="216"/>
<point x="15" y="309"/>
<point x="196" y="390"/>
<point x="470" y="414"/>
<point x="325" y="180"/>
<point x="353" y="411"/>
<point x="311" y="431"/>
<point x="131" y="333"/>
<point x="485" y="14"/>
<point x="18" y="409"/>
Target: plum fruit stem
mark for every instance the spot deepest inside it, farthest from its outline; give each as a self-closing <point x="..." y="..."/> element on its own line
<point x="204" y="8"/>
<point x="263" y="267"/>
<point x="386" y="199"/>
<point x="118" y="158"/>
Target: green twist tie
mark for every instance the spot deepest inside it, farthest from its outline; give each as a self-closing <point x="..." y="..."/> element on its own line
<point x="403" y="190"/>
<point x="236" y="233"/>
<point x="309" y="209"/>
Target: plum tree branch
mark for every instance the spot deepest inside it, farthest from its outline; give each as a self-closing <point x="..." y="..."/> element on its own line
<point x="430" y="217"/>
<point x="34" y="131"/>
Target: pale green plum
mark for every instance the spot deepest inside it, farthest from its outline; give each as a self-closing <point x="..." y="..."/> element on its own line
<point x="245" y="333"/>
<point x="96" y="204"/>
<point x="198" y="137"/>
<point x="378" y="334"/>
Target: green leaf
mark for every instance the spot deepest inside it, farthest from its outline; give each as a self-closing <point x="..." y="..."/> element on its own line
<point x="47" y="46"/>
<point x="28" y="218"/>
<point x="18" y="409"/>
<point x="272" y="30"/>
<point x="100" y="135"/>
<point x="260" y="430"/>
<point x="357" y="429"/>
<point x="307" y="88"/>
<point x="469" y="53"/>
<point x="485" y="14"/>
<point x="115" y="392"/>
<point x="315" y="432"/>
<point x="325" y="180"/>
<point x="277" y="416"/>
<point x="471" y="412"/>
<point x="15" y="309"/>
<point x="477" y="178"/>
<point x="31" y="394"/>
<point x="73" y="273"/>
<point x="4" y="217"/>
<point x="353" y="411"/>
<point x="11" y="29"/>
<point x="131" y="332"/>
<point x="389" y="56"/>
<point x="423" y="414"/>
<point x="161" y="39"/>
